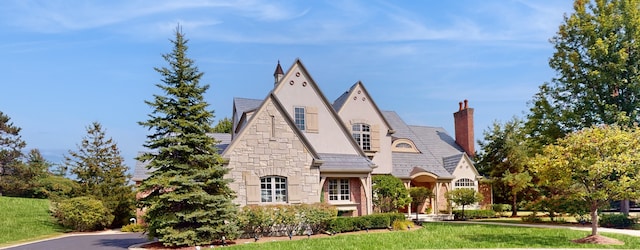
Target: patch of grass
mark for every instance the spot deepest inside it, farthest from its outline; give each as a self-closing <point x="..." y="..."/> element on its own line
<point x="24" y="219"/>
<point x="449" y="235"/>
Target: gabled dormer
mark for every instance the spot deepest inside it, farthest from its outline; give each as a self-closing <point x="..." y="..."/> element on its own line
<point x="368" y="127"/>
<point x="313" y="114"/>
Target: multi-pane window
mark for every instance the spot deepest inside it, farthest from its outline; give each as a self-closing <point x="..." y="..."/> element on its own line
<point x="339" y="190"/>
<point x="299" y="113"/>
<point x="273" y="189"/>
<point x="362" y="134"/>
<point x="464" y="183"/>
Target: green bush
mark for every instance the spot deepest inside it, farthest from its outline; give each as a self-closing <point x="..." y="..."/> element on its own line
<point x="616" y="221"/>
<point x="402" y="225"/>
<point x="134" y="227"/>
<point x="269" y="220"/>
<point x="82" y="214"/>
<point x="474" y="214"/>
<point x="499" y="208"/>
<point x="373" y="221"/>
<point x="531" y="218"/>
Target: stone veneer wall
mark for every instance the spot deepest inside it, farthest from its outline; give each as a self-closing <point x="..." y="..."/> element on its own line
<point x="261" y="153"/>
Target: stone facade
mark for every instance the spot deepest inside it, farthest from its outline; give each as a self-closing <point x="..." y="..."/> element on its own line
<point x="271" y="148"/>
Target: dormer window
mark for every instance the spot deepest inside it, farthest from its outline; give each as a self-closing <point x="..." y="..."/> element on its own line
<point x="404" y="145"/>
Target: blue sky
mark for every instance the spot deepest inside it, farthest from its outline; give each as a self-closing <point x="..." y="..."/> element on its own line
<point x="65" y="64"/>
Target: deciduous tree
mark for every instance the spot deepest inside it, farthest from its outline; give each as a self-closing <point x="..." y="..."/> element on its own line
<point x="599" y="164"/>
<point x="189" y="202"/>
<point x="597" y="61"/>
<point x="224" y="126"/>
<point x="464" y="197"/>
<point x="389" y="194"/>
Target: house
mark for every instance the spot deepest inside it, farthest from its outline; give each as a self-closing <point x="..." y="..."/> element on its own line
<point x="295" y="146"/>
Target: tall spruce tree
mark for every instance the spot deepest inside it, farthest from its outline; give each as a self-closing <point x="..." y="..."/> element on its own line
<point x="101" y="173"/>
<point x="11" y="145"/>
<point x="189" y="201"/>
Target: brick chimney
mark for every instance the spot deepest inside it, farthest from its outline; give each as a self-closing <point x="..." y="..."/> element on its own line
<point x="463" y="120"/>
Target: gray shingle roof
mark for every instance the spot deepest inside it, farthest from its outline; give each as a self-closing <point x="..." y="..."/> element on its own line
<point x="345" y="163"/>
<point x="451" y="162"/>
<point x="434" y="144"/>
<point x="140" y="172"/>
<point x="338" y="103"/>
<point x="245" y="104"/>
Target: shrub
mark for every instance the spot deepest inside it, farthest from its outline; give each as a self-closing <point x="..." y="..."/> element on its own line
<point x="258" y="221"/>
<point x="373" y="221"/>
<point x="616" y="221"/>
<point x="402" y="225"/>
<point x="474" y="214"/>
<point x="134" y="227"/>
<point x="499" y="208"/>
<point x="531" y="218"/>
<point x="82" y="214"/>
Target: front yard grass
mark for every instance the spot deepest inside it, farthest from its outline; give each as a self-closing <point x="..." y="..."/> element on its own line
<point x="25" y="219"/>
<point x="449" y="235"/>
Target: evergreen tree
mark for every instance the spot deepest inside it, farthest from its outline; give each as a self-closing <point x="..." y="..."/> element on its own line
<point x="11" y="145"/>
<point x="189" y="201"/>
<point x="101" y="173"/>
<point x="504" y="159"/>
<point x="30" y="176"/>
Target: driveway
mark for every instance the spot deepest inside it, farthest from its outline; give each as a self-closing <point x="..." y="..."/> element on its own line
<point x="110" y="240"/>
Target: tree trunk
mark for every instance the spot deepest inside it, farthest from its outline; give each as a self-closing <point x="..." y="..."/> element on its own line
<point x="594" y="218"/>
<point x="624" y="207"/>
<point x="463" y="217"/>
<point x="514" y="205"/>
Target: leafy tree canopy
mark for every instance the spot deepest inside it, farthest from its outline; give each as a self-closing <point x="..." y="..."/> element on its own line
<point x="224" y="126"/>
<point x="597" y="61"/>
<point x="598" y="164"/>
<point x="389" y="193"/>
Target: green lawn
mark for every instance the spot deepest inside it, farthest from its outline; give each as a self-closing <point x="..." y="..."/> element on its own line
<point x="24" y="219"/>
<point x="449" y="235"/>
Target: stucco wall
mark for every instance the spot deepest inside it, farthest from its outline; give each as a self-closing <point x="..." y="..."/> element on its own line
<point x="297" y="91"/>
<point x="359" y="109"/>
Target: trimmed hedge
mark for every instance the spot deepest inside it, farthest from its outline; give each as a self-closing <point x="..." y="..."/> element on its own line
<point x="374" y="221"/>
<point x="474" y="214"/>
<point x="281" y="220"/>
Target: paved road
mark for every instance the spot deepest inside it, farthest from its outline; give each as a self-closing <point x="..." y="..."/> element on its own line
<point x="103" y="241"/>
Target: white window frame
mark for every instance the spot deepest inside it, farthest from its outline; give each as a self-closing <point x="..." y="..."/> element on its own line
<point x="464" y="183"/>
<point x="273" y="189"/>
<point x="339" y="190"/>
<point x="361" y="132"/>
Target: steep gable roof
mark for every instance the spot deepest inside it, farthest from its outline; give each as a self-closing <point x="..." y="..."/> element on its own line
<point x="302" y="73"/>
<point x="271" y="98"/>
<point x="244" y="105"/>
<point x="339" y="103"/>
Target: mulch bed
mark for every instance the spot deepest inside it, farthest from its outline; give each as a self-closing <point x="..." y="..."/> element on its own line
<point x="159" y="246"/>
<point x="598" y="239"/>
